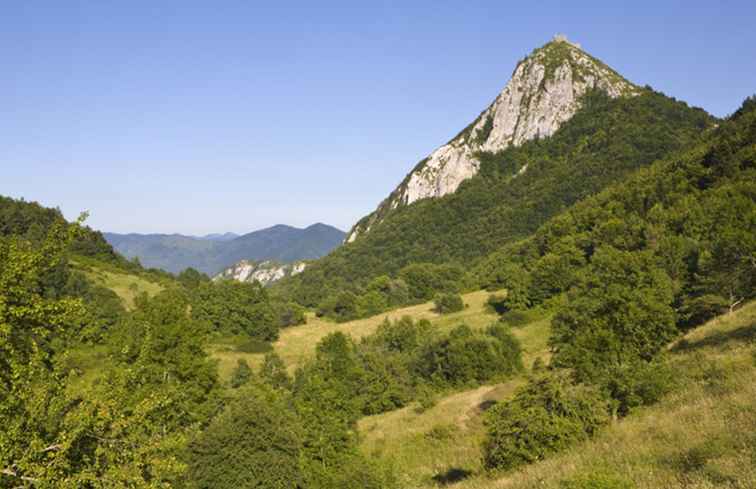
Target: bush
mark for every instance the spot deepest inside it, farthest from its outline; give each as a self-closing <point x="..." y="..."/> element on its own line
<point x="241" y="375"/>
<point x="289" y="314"/>
<point x="516" y="318"/>
<point x="448" y="303"/>
<point x="426" y="399"/>
<point x="273" y="372"/>
<point x="254" y="346"/>
<point x="257" y="440"/>
<point x="467" y="357"/>
<point x="638" y="383"/>
<point x="546" y="416"/>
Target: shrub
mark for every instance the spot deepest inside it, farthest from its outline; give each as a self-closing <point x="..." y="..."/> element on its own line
<point x="466" y="357"/>
<point x="496" y="303"/>
<point x="273" y="372"/>
<point x="638" y="383"/>
<point x="516" y="318"/>
<point x="254" y="346"/>
<point x="448" y="303"/>
<point x="257" y="440"/>
<point x="546" y="416"/>
<point x="426" y="399"/>
<point x="289" y="314"/>
<point x="241" y="375"/>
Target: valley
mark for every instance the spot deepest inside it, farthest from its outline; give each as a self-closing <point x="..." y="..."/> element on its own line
<point x="562" y="296"/>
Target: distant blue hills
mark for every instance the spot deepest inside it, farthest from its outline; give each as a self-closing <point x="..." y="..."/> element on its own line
<point x="214" y="252"/>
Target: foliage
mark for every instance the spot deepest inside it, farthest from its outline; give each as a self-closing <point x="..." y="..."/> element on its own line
<point x="253" y="443"/>
<point x="235" y="308"/>
<point x="546" y="416"/>
<point x="468" y="357"/>
<point x="288" y="313"/>
<point x="448" y="303"/>
<point x="621" y="310"/>
<point x="694" y="212"/>
<point x="191" y="278"/>
<point x="601" y="144"/>
<point x="273" y="372"/>
<point x="241" y="374"/>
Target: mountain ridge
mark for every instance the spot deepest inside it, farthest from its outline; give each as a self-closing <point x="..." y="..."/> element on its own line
<point x="543" y="93"/>
<point x="175" y="252"/>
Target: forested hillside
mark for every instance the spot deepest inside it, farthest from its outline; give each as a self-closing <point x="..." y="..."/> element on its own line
<point x="515" y="191"/>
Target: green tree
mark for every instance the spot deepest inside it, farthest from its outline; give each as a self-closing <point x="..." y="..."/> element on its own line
<point x="548" y="415"/>
<point x="448" y="303"/>
<point x="241" y="374"/>
<point x="621" y="310"/>
<point x="273" y="372"/>
<point x="256" y="442"/>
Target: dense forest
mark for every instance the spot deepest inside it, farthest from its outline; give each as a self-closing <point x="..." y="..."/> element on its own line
<point x="647" y="251"/>
<point x="515" y="192"/>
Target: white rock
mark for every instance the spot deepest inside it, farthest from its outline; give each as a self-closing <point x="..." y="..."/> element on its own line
<point x="528" y="107"/>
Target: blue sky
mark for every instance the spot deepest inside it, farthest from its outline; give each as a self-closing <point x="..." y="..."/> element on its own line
<point x="200" y="117"/>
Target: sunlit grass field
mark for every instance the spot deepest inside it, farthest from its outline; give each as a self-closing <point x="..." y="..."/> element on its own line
<point x="127" y="286"/>
<point x="700" y="436"/>
<point x="297" y="344"/>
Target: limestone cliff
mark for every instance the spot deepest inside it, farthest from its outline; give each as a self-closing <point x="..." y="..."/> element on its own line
<point x="265" y="272"/>
<point x="543" y="93"/>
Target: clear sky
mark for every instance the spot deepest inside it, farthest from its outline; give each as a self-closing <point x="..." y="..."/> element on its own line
<point x="217" y="116"/>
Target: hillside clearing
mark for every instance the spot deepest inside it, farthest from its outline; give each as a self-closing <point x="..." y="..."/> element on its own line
<point x="702" y="435"/>
<point x="296" y="344"/>
<point x="444" y="441"/>
<point x="126" y="286"/>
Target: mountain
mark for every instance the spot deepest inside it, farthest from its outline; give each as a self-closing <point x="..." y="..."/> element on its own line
<point x="211" y="254"/>
<point x="266" y="272"/>
<point x="544" y="92"/>
<point x="220" y="236"/>
<point x="604" y="134"/>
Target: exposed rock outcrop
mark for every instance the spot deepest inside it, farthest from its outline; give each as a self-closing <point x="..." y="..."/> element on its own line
<point x="265" y="272"/>
<point x="543" y="93"/>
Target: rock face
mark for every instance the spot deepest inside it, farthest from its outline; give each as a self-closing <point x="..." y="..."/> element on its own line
<point x="265" y="272"/>
<point x="543" y="93"/>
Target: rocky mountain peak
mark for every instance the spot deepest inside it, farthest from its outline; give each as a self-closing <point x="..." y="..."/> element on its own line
<point x="543" y="93"/>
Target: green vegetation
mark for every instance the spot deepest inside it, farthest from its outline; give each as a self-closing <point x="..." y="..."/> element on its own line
<point x="587" y="366"/>
<point x="257" y="441"/>
<point x="604" y="142"/>
<point x="447" y="303"/>
<point x="546" y="416"/>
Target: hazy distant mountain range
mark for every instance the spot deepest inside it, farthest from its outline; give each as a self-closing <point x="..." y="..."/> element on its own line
<point x="214" y="252"/>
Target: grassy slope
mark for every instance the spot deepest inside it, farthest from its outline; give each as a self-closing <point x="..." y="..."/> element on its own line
<point x="411" y="439"/>
<point x="127" y="286"/>
<point x="702" y="435"/>
<point x="296" y="344"/>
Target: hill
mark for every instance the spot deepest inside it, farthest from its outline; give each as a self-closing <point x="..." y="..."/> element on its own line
<point x="211" y="254"/>
<point x="515" y="191"/>
<point x="544" y="92"/>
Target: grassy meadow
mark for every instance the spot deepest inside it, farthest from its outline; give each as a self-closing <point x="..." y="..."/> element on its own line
<point x="127" y="286"/>
<point x="702" y="435"/>
<point x="296" y="344"/>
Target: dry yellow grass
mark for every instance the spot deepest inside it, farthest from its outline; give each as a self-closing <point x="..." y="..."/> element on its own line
<point x="701" y="436"/>
<point x="125" y="285"/>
